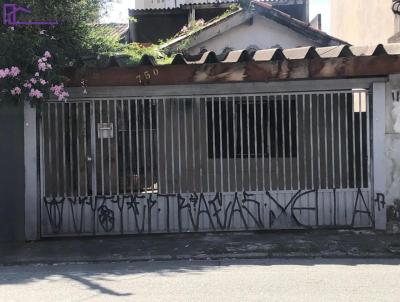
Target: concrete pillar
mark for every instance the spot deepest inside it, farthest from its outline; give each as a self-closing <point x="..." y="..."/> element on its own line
<point x="378" y="150"/>
<point x="32" y="200"/>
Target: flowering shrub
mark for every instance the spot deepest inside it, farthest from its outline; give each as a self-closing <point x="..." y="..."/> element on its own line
<point x="33" y="88"/>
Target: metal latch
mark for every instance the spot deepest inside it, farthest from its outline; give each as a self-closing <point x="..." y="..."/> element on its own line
<point x="105" y="130"/>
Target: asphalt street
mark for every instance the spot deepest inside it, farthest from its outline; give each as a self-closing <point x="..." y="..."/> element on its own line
<point x="227" y="280"/>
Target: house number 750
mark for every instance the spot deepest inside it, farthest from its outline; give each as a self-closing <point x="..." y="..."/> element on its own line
<point x="147" y="75"/>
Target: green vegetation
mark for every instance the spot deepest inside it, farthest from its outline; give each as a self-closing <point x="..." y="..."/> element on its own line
<point x="76" y="36"/>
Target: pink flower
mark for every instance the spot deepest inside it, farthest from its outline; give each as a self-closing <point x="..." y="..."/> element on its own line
<point x="42" y="66"/>
<point x="63" y="96"/>
<point x="16" y="91"/>
<point x="57" y="89"/>
<point x="28" y="85"/>
<point x="14" y="71"/>
<point x="2" y="74"/>
<point x="33" y="81"/>
<point x="35" y="93"/>
<point x="43" y="82"/>
<point x="44" y="59"/>
<point x="47" y="54"/>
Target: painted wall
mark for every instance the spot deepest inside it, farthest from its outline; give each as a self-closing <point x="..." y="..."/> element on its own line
<point x="12" y="183"/>
<point x="362" y="22"/>
<point x="262" y="33"/>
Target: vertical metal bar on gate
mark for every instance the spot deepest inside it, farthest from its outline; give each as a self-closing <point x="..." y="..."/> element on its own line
<point x="262" y="142"/>
<point x="255" y="140"/>
<point x="361" y="96"/>
<point x="144" y="143"/>
<point x="241" y="142"/>
<point x="179" y="146"/>
<point x="311" y="141"/>
<point x="109" y="151"/>
<point x="197" y="101"/>
<point x="193" y="105"/>
<point x="151" y="145"/>
<point x="220" y="145"/>
<point x="85" y="149"/>
<point x="130" y="146"/>
<point x="227" y="143"/>
<point x="235" y="141"/>
<point x="71" y="161"/>
<point x="269" y="131"/>
<point x="93" y="147"/>
<point x="186" y="144"/>
<point x="290" y="142"/>
<point x="283" y="140"/>
<point x="347" y="140"/>
<point x="368" y="127"/>
<point x="333" y="143"/>
<point x="213" y="142"/>
<point x="354" y="142"/>
<point x="277" y="183"/>
<point x="138" y="176"/>
<point x="318" y="142"/>
<point x="123" y="138"/>
<point x="305" y="146"/>
<point x="78" y="149"/>
<point x="298" y="142"/>
<point x="326" y="144"/>
<point x="165" y="147"/>
<point x="64" y="150"/>
<point x="207" y="146"/>
<point x="248" y="144"/>
<point x="340" y="140"/>
<point x="116" y="148"/>
<point x="158" y="129"/>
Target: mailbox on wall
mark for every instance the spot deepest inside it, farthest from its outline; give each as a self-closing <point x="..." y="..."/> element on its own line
<point x="105" y="130"/>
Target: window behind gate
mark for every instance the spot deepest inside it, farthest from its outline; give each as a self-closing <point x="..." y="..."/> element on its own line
<point x="252" y="127"/>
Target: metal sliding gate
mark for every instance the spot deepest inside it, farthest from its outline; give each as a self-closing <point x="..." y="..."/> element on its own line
<point x="206" y="163"/>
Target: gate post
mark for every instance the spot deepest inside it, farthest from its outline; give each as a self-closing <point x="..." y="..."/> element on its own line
<point x="32" y="213"/>
<point x="380" y="95"/>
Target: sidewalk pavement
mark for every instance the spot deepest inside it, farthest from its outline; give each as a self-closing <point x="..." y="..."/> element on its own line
<point x="245" y="245"/>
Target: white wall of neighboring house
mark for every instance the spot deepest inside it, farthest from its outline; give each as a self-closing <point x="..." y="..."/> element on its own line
<point x="363" y="22"/>
<point x="262" y="33"/>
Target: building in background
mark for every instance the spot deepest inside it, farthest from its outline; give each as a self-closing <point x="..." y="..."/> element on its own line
<point x="362" y="22"/>
<point x="262" y="27"/>
<point x="164" y="4"/>
<point x="170" y="16"/>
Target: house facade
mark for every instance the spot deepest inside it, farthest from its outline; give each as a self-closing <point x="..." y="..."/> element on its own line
<point x="260" y="28"/>
<point x="169" y="19"/>
<point x="282" y="139"/>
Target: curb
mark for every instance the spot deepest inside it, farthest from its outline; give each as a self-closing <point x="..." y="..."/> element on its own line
<point x="201" y="257"/>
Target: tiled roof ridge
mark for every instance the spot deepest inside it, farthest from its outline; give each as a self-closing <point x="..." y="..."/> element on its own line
<point x="276" y="54"/>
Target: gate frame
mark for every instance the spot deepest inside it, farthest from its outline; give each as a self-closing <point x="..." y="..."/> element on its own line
<point x="32" y="135"/>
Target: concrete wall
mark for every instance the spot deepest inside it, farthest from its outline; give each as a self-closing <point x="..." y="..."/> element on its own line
<point x="12" y="173"/>
<point x="362" y="22"/>
<point x="261" y="32"/>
